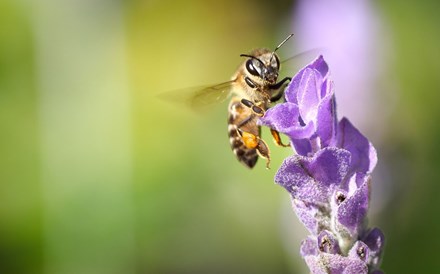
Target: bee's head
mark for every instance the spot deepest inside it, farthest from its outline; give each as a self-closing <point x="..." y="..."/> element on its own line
<point x="263" y="64"/>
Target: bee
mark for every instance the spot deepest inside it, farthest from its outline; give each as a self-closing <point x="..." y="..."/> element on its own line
<point x="254" y="88"/>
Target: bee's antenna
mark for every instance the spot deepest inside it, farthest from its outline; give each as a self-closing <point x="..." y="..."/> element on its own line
<point x="279" y="46"/>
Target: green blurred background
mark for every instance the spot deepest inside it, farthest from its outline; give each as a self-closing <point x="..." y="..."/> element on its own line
<point x="98" y="176"/>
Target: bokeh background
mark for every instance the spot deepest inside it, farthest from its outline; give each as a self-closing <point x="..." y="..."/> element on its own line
<point x="99" y="176"/>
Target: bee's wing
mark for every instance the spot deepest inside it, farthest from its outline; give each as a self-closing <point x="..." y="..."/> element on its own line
<point x="291" y="65"/>
<point x="200" y="97"/>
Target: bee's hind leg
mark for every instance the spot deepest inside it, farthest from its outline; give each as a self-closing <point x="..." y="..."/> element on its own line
<point x="254" y="142"/>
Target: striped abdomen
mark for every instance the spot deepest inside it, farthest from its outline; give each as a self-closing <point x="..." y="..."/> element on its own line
<point x="242" y="117"/>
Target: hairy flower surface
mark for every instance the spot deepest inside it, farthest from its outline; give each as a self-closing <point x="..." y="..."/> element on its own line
<point x="329" y="177"/>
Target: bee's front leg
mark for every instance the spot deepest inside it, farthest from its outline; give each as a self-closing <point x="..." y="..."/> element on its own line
<point x="279" y="88"/>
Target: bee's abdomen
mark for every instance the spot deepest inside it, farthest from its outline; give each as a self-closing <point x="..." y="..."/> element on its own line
<point x="241" y="117"/>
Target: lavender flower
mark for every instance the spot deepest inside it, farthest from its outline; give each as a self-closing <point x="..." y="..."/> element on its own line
<point x="308" y="117"/>
<point x="329" y="178"/>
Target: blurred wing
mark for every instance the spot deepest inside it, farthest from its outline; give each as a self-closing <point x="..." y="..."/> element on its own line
<point x="212" y="94"/>
<point x="200" y="97"/>
<point x="290" y="66"/>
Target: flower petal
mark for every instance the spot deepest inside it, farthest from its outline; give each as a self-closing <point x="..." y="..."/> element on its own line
<point x="309" y="94"/>
<point x="364" y="157"/>
<point x="352" y="211"/>
<point x="309" y="215"/>
<point x="318" y="64"/>
<point x="295" y="179"/>
<point x="302" y="146"/>
<point x="312" y="179"/>
<point x="328" y="243"/>
<point x="285" y="119"/>
<point x="335" y="264"/>
<point x="359" y="251"/>
<point x="291" y="91"/>
<point x="374" y="239"/>
<point x="330" y="165"/>
<point x="309" y="246"/>
<point x="326" y="121"/>
<point x="281" y="116"/>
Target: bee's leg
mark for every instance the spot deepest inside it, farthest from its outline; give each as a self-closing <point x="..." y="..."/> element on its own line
<point x="263" y="151"/>
<point x="254" y="142"/>
<point x="256" y="109"/>
<point x="277" y="138"/>
<point x="280" y="83"/>
<point x="278" y="86"/>
<point x="277" y="96"/>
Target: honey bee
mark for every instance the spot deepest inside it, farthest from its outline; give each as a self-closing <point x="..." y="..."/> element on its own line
<point x="254" y="88"/>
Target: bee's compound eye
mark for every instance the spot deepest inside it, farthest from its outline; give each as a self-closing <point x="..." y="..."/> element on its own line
<point x="276" y="64"/>
<point x="251" y="68"/>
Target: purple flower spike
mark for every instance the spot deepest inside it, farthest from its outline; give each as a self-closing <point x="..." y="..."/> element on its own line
<point x="329" y="177"/>
<point x="308" y="117"/>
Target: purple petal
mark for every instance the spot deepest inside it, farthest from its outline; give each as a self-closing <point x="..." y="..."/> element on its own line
<point x="356" y="266"/>
<point x="364" y="157"/>
<point x="291" y="92"/>
<point x="309" y="215"/>
<point x="335" y="264"/>
<point x="296" y="133"/>
<point x="330" y="165"/>
<point x="309" y="246"/>
<point x="320" y="65"/>
<point x="328" y="88"/>
<point x="285" y="119"/>
<point x="293" y="176"/>
<point x="374" y="239"/>
<point x="328" y="243"/>
<point x="302" y="146"/>
<point x="281" y="116"/>
<point x="309" y="94"/>
<point x="312" y="179"/>
<point x="359" y="251"/>
<point x="326" y="123"/>
<point x="352" y="211"/>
